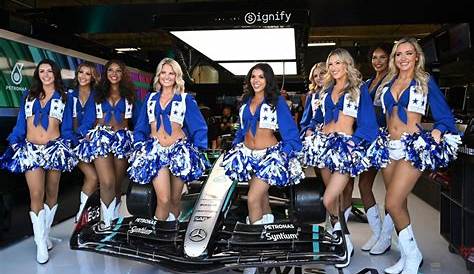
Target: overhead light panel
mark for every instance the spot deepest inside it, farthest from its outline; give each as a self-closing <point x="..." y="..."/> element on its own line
<point x="119" y="50"/>
<point x="322" y="44"/>
<point x="279" y="68"/>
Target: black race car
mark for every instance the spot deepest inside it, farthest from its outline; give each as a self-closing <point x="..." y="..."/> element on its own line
<point x="211" y="233"/>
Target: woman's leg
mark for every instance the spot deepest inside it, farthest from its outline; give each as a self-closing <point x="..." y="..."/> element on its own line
<point x="366" y="181"/>
<point x="52" y="187"/>
<point x="161" y="184"/>
<point x="36" y="184"/>
<point x="256" y="195"/>
<point x="120" y="166"/>
<point x="176" y="193"/>
<point x="90" y="178"/>
<point x="335" y="187"/>
<point x="105" y="171"/>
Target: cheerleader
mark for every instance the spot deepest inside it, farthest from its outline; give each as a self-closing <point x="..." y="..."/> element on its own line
<point x="40" y="148"/>
<point x="256" y="155"/>
<point x="109" y="143"/>
<point x="337" y="148"/>
<point x="381" y="238"/>
<point x="83" y="113"/>
<point x="169" y="135"/>
<point x="405" y="94"/>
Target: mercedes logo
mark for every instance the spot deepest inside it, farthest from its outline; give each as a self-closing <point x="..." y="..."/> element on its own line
<point x="197" y="235"/>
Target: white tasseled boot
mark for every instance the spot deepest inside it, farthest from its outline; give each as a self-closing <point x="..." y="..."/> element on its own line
<point x="171" y="217"/>
<point x="39" y="223"/>
<point x="107" y="214"/>
<point x="398" y="266"/>
<point x="268" y="218"/>
<point x="118" y="203"/>
<point x="385" y="239"/>
<point x="375" y="225"/>
<point x="253" y="270"/>
<point x="349" y="246"/>
<point x="49" y="218"/>
<point x="84" y="198"/>
<point x="413" y="256"/>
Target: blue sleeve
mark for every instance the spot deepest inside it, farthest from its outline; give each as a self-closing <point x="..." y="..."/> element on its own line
<point x="88" y="120"/>
<point x="307" y="114"/>
<point x="367" y="127"/>
<point x="67" y="131"/>
<point x="195" y="124"/>
<point x="287" y="127"/>
<point x="142" y="129"/>
<point x="442" y="114"/>
<point x="239" y="135"/>
<point x="19" y="131"/>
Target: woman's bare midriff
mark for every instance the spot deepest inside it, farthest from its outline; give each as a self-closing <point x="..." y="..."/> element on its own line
<point x="163" y="137"/>
<point x="40" y="136"/>
<point x="344" y="124"/>
<point x="113" y="123"/>
<point x="263" y="139"/>
<point x="396" y="127"/>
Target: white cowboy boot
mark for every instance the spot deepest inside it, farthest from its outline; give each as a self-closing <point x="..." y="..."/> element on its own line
<point x="413" y="256"/>
<point x="49" y="218"/>
<point x="398" y="266"/>
<point x="118" y="203"/>
<point x="385" y="239"/>
<point x="375" y="225"/>
<point x="38" y="222"/>
<point x="349" y="246"/>
<point x="107" y="214"/>
<point x="84" y="198"/>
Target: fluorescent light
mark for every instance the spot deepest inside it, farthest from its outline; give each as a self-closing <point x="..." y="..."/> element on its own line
<point x="321" y="44"/>
<point x="242" y="44"/>
<point x="242" y="68"/>
<point x="126" y="49"/>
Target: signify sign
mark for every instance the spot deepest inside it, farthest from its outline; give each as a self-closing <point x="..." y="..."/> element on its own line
<point x="277" y="17"/>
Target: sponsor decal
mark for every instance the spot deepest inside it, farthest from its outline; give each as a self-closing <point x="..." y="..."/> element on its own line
<point x="198" y="235"/>
<point x="145" y="221"/>
<point x="93" y="213"/>
<point x="140" y="230"/>
<point x="16" y="75"/>
<point x="280" y="236"/>
<point x="278" y="226"/>
<point x="275" y="17"/>
<point x="201" y="218"/>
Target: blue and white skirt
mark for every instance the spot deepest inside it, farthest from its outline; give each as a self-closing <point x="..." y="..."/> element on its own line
<point x="270" y="165"/>
<point x="55" y="155"/>
<point x="342" y="154"/>
<point x="313" y="147"/>
<point x="102" y="141"/>
<point x="182" y="158"/>
<point x="377" y="152"/>
<point x="424" y="153"/>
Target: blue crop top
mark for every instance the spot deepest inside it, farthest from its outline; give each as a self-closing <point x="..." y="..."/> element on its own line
<point x="54" y="108"/>
<point x="381" y="121"/>
<point x="84" y="114"/>
<point x="362" y="111"/>
<point x="267" y="117"/>
<point x="414" y="101"/>
<point x="182" y="109"/>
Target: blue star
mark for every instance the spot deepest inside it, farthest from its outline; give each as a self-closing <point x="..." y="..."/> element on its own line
<point x="415" y="101"/>
<point x="182" y="113"/>
<point x="265" y="118"/>
<point x="356" y="107"/>
<point x="175" y="112"/>
<point x="176" y="103"/>
<point x="150" y="111"/>
<point x="423" y="102"/>
<point x="265" y="109"/>
<point x="273" y="119"/>
<point x="55" y="107"/>
<point x="349" y="105"/>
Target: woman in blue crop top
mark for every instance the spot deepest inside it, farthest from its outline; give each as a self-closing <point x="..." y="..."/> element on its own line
<point x="83" y="114"/>
<point x="109" y="143"/>
<point x="169" y="135"/>
<point x="347" y="130"/>
<point x="381" y="238"/>
<point x="40" y="148"/>
<point x="316" y="77"/>
<point x="405" y="94"/>
<point x="257" y="157"/>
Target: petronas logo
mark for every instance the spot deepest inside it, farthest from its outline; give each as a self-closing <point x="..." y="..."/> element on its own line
<point x="16" y="74"/>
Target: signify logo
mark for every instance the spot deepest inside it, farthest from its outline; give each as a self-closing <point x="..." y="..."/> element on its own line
<point x="278" y="17"/>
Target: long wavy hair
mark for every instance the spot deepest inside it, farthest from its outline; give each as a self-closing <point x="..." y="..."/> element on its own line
<point x="271" y="91"/>
<point x="95" y="75"/>
<point x="421" y="76"/>
<point x="36" y="89"/>
<point x="313" y="86"/>
<point x="354" y="77"/>
<point x="179" y="82"/>
<point x="125" y="86"/>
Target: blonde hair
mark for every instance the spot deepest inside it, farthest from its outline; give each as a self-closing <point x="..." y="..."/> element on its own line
<point x="95" y="79"/>
<point x="354" y="77"/>
<point x="313" y="86"/>
<point x="179" y="83"/>
<point x="421" y="76"/>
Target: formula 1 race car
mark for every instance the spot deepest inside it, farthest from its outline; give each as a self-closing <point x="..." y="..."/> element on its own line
<point x="212" y="233"/>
